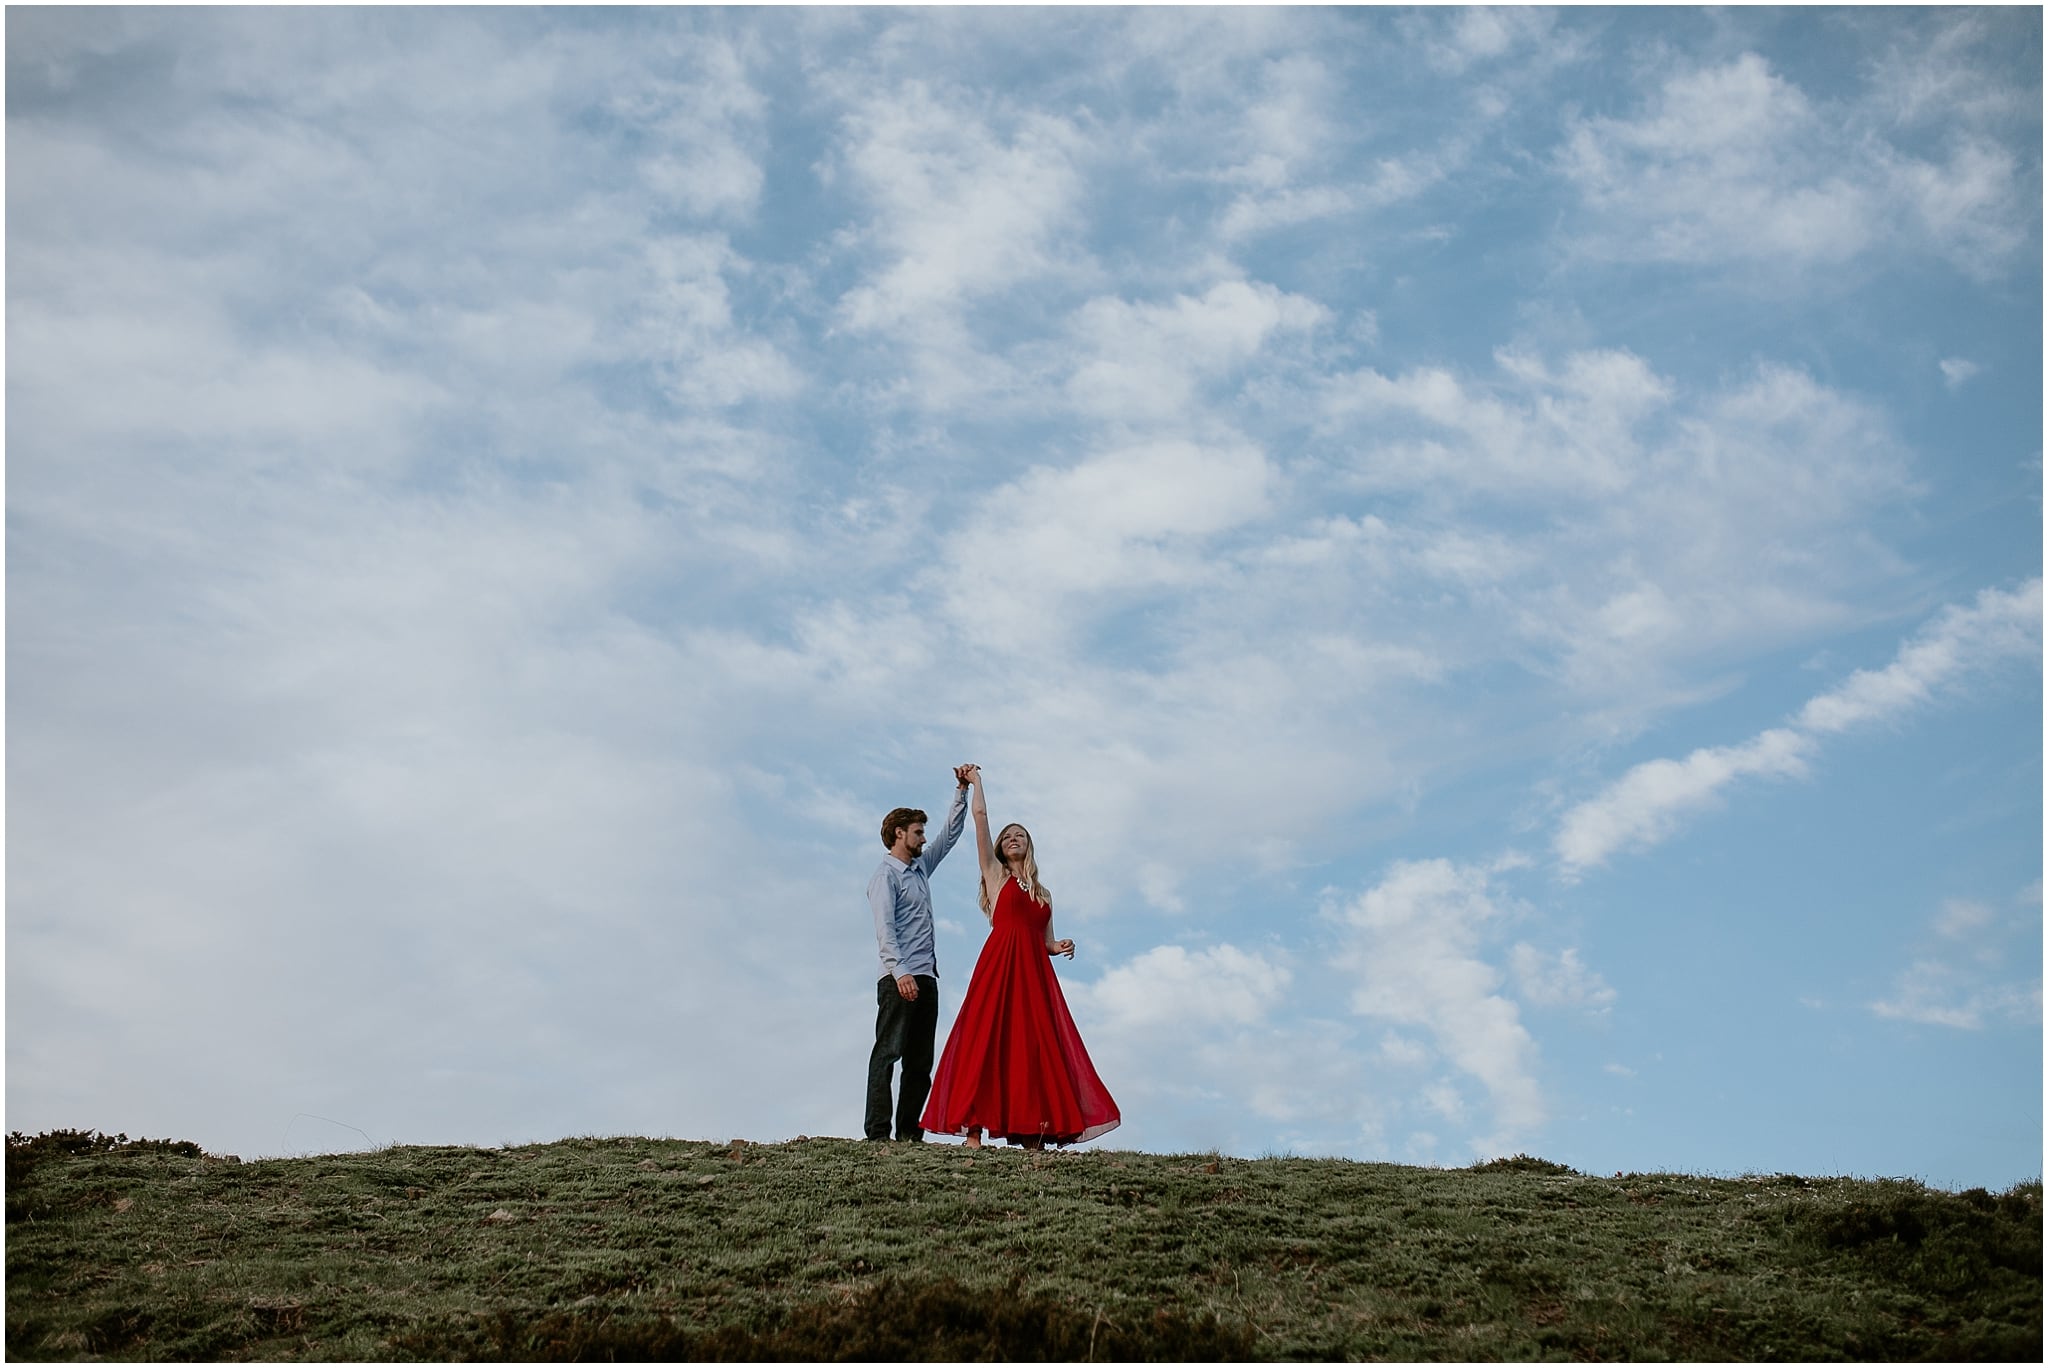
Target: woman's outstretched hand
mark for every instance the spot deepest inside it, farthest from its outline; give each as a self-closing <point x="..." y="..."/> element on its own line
<point x="1062" y="947"/>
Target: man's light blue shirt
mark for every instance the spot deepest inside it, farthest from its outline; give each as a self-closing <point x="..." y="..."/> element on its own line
<point x="901" y="897"/>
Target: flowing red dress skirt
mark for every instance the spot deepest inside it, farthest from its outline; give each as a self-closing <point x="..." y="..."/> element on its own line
<point x="1014" y="1065"/>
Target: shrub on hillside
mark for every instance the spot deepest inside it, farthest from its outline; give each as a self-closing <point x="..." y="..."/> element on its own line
<point x="1524" y="1163"/>
<point x="1943" y="1245"/>
<point x="24" y="1152"/>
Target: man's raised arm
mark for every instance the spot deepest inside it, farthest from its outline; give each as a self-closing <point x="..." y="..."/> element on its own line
<point x="956" y="819"/>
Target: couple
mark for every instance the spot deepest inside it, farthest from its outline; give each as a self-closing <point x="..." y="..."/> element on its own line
<point x="1014" y="1065"/>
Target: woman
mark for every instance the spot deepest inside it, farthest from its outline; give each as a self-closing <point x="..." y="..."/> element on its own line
<point x="1014" y="1064"/>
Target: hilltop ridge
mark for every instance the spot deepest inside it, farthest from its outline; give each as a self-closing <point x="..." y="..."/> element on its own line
<point x="623" y="1247"/>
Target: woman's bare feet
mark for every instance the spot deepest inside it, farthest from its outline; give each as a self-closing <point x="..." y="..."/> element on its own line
<point x="974" y="1140"/>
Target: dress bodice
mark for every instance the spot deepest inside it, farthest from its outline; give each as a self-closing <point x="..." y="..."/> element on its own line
<point x="1019" y="911"/>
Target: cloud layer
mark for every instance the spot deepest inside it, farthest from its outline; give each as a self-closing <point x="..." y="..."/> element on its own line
<point x="499" y="504"/>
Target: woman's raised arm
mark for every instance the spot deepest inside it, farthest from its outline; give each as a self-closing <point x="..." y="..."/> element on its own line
<point x="992" y="873"/>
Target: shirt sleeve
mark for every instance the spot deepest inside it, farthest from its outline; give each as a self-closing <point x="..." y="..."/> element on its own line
<point x="882" y="900"/>
<point x="956" y="818"/>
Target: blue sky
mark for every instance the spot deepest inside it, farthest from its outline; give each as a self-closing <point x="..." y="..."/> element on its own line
<point x="1498" y="553"/>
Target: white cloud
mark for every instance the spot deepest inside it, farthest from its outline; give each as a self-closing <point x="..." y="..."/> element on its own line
<point x="1200" y="1050"/>
<point x="1446" y="1101"/>
<point x="1303" y="1087"/>
<point x="1253" y="213"/>
<point x="1962" y="979"/>
<point x="1792" y="452"/>
<point x="1560" y="980"/>
<point x="1172" y="987"/>
<point x="1287" y="132"/>
<point x="1934" y="72"/>
<point x="1715" y="169"/>
<point x="687" y="324"/>
<point x="1300" y="155"/>
<point x="1968" y="208"/>
<point x="1675" y="524"/>
<point x="1957" y="372"/>
<point x="1118" y="524"/>
<point x="1147" y="361"/>
<point x="1646" y="805"/>
<point x="1287" y="124"/>
<point x="2001" y="625"/>
<point x="963" y="196"/>
<point x="1404" y="1052"/>
<point x="961" y="209"/>
<point x="1393" y="180"/>
<point x="1960" y="917"/>
<point x="1479" y="34"/>
<point x="1097" y="757"/>
<point x="1414" y="948"/>
<point x="1570" y="432"/>
<point x="1733" y="162"/>
<point x="699" y="113"/>
<point x="1937" y="993"/>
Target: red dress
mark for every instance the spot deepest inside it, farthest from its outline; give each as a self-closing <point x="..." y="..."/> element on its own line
<point x="1014" y="1065"/>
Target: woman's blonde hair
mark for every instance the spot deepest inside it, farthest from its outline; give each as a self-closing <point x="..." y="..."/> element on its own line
<point x="1027" y="876"/>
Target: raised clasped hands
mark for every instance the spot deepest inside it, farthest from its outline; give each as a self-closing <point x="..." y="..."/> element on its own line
<point x="966" y="774"/>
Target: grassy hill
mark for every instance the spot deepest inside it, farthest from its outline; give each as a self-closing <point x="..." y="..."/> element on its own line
<point x="628" y="1248"/>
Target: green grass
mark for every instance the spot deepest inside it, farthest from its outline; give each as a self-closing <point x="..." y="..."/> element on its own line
<point x="637" y="1249"/>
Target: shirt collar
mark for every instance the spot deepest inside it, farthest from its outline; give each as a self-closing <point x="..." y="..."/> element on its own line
<point x="890" y="856"/>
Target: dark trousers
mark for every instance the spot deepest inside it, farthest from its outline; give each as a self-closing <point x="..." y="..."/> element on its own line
<point x="905" y="1031"/>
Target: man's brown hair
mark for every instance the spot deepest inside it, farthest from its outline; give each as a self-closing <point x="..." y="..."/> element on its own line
<point x="898" y="819"/>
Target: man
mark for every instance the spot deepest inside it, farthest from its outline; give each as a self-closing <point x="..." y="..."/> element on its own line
<point x="907" y="994"/>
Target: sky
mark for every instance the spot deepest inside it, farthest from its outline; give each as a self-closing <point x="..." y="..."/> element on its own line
<point x="1497" y="552"/>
